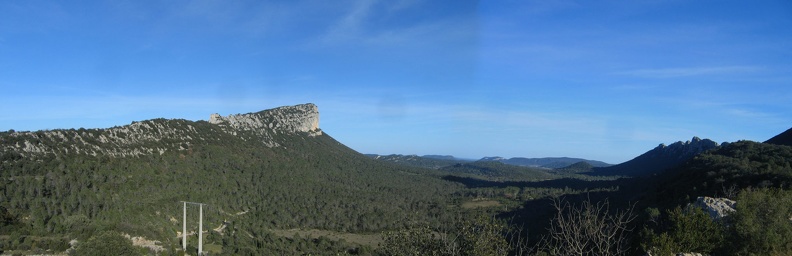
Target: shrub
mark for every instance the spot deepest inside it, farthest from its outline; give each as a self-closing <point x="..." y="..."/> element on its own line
<point x="107" y="243"/>
<point x="480" y="235"/>
<point x="689" y="230"/>
<point x="761" y="224"/>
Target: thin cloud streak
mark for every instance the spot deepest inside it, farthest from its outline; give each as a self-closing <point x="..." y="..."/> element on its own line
<point x="690" y="71"/>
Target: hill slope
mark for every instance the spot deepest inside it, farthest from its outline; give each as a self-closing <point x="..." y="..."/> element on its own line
<point x="660" y="158"/>
<point x="785" y="138"/>
<point x="733" y="166"/>
<point x="273" y="169"/>
<point x="497" y="171"/>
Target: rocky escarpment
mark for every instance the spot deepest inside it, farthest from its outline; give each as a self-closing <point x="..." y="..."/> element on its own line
<point x="158" y="136"/>
<point x="683" y="150"/>
<point x="139" y="138"/>
<point x="268" y="123"/>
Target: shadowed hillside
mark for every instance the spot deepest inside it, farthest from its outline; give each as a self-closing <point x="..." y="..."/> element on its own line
<point x="660" y="158"/>
<point x="785" y="138"/>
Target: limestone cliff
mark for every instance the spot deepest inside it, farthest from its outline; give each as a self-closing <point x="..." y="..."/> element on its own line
<point x="290" y="119"/>
<point x="268" y="123"/>
<point x="158" y="136"/>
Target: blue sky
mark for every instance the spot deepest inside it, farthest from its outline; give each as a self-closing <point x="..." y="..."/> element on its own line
<point x="604" y="80"/>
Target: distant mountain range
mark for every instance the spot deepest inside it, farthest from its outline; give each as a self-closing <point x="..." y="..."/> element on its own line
<point x="428" y="161"/>
<point x="439" y="161"/>
<point x="545" y="162"/>
<point x="653" y="161"/>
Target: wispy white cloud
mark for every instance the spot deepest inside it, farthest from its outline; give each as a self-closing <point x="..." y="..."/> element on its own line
<point x="370" y="23"/>
<point x="746" y="113"/>
<point x="690" y="71"/>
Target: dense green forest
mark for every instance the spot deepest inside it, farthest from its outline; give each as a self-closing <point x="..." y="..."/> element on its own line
<point x="285" y="192"/>
<point x="313" y="182"/>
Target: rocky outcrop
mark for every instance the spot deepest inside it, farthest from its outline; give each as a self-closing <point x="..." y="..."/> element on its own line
<point x="138" y="138"/>
<point x="158" y="136"/>
<point x="265" y="125"/>
<point x="290" y="119"/>
<point x="717" y="208"/>
<point x="684" y="150"/>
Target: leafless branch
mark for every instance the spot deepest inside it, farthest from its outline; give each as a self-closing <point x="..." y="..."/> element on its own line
<point x="587" y="229"/>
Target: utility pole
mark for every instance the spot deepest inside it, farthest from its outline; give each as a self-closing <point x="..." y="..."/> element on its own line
<point x="200" y="231"/>
<point x="200" y="227"/>
<point x="184" y="228"/>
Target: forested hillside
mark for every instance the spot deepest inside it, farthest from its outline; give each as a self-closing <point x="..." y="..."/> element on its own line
<point x="733" y="166"/>
<point x="72" y="184"/>
<point x="497" y="171"/>
<point x="757" y="176"/>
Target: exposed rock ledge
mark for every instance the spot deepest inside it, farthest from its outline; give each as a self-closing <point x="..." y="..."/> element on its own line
<point x="717" y="208"/>
<point x="289" y="119"/>
<point x="134" y="139"/>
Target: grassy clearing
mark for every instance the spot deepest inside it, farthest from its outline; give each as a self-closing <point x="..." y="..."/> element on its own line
<point x="480" y="204"/>
<point x="371" y="240"/>
<point x="213" y="248"/>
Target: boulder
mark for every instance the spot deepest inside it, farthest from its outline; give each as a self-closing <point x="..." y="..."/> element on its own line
<point x="717" y="208"/>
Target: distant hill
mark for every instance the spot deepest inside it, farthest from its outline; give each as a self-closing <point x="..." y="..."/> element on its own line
<point x="579" y="167"/>
<point x="660" y="158"/>
<point x="785" y="138"/>
<point x="443" y="157"/>
<point x="545" y="162"/>
<point x="497" y="171"/>
<point x="429" y="161"/>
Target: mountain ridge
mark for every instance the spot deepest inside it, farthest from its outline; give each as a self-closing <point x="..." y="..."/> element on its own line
<point x="660" y="158"/>
<point x="132" y="139"/>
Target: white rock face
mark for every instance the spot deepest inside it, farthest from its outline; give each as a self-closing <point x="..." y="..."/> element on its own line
<point x="144" y="138"/>
<point x="125" y="141"/>
<point x="717" y="208"/>
<point x="283" y="120"/>
<point x="290" y="119"/>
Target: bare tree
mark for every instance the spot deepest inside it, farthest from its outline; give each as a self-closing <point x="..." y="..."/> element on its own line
<point x="587" y="229"/>
<point x="518" y="240"/>
<point x="730" y="192"/>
